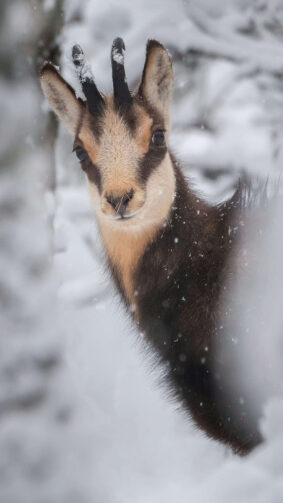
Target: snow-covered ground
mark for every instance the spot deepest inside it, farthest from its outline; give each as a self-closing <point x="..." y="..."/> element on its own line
<point x="116" y="436"/>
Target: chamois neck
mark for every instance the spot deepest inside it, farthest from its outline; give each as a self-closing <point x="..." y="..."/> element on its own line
<point x="125" y="241"/>
<point x="192" y="222"/>
<point x="184" y="260"/>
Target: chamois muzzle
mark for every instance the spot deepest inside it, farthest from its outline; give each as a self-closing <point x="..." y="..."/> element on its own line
<point x="122" y="95"/>
<point x="119" y="203"/>
<point x="94" y="99"/>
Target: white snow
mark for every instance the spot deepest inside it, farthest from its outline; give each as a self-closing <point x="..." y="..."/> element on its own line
<point x="151" y="451"/>
<point x="107" y="430"/>
<point x="83" y="69"/>
<point x="118" y="56"/>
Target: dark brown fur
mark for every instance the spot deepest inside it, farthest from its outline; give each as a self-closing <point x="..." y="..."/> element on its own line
<point x="178" y="272"/>
<point x="178" y="287"/>
<point x="153" y="156"/>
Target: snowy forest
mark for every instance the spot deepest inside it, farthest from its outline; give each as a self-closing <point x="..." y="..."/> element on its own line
<point x="84" y="415"/>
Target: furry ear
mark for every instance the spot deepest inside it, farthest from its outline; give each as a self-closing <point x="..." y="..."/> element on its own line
<point x="61" y="97"/>
<point x="157" y="78"/>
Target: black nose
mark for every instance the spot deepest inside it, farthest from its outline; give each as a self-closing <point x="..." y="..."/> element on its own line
<point x="120" y="202"/>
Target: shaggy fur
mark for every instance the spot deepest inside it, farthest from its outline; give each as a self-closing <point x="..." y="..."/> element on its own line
<point x="173" y="257"/>
<point x="180" y="282"/>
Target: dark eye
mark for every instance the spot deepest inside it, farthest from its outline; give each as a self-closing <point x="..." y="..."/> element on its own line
<point x="81" y="153"/>
<point x="158" y="138"/>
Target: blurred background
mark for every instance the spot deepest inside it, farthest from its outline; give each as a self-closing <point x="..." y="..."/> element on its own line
<point x="82" y="417"/>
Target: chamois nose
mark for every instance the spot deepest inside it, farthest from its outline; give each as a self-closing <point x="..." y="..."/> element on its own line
<point x="120" y="202"/>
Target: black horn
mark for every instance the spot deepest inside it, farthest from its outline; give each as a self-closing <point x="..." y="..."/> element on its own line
<point x="94" y="99"/>
<point x="122" y="95"/>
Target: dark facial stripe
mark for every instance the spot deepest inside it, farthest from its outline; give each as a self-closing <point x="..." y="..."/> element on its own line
<point x="129" y="117"/>
<point x="96" y="124"/>
<point x="92" y="172"/>
<point x="150" y="161"/>
<point x="155" y="154"/>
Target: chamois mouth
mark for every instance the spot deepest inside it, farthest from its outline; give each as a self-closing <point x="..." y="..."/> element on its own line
<point x="125" y="217"/>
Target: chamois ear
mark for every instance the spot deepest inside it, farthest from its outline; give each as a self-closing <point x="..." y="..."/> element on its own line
<point x="61" y="97"/>
<point x="157" y="78"/>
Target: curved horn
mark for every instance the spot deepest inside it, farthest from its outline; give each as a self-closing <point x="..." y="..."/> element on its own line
<point x="122" y="94"/>
<point x="93" y="96"/>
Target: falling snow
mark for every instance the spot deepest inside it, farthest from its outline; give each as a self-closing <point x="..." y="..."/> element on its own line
<point x="98" y="427"/>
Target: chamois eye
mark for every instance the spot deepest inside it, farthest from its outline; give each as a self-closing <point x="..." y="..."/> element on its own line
<point x="158" y="138"/>
<point x="81" y="154"/>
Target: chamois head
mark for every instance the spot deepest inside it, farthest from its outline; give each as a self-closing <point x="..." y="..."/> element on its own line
<point x="120" y="139"/>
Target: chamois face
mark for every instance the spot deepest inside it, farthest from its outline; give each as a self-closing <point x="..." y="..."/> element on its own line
<point x="121" y="140"/>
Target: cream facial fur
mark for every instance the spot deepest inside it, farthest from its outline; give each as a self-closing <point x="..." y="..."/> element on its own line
<point x="118" y="154"/>
<point x="112" y="137"/>
<point x="125" y="240"/>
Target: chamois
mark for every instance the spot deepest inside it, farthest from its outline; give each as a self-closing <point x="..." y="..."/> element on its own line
<point x="169" y="252"/>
